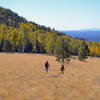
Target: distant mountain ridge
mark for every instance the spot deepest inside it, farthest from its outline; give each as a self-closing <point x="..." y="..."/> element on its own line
<point x="91" y="35"/>
<point x="92" y="29"/>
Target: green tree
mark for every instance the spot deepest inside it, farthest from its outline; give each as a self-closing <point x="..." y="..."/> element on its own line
<point x="62" y="50"/>
<point x="83" y="52"/>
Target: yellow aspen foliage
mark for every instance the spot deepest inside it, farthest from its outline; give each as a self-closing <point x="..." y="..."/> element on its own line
<point x="97" y="51"/>
<point x="92" y="50"/>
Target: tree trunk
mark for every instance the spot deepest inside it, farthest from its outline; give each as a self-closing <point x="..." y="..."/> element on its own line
<point x="23" y="48"/>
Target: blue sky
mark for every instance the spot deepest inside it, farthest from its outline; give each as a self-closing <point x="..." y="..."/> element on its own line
<point x="58" y="14"/>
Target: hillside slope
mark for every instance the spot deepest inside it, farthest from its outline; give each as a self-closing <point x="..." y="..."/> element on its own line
<point x="12" y="19"/>
<point x="19" y="35"/>
<point x="23" y="77"/>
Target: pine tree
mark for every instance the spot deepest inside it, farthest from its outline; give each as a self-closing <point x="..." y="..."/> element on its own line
<point x="83" y="51"/>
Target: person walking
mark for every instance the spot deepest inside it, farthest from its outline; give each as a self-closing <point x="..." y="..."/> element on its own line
<point x="47" y="66"/>
<point x="62" y="69"/>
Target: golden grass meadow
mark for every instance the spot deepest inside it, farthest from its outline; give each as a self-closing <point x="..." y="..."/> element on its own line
<point x="23" y="77"/>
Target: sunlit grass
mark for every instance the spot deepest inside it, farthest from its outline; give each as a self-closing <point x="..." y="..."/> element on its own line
<point x="23" y="77"/>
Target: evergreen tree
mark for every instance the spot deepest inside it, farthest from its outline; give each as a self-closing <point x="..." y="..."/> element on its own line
<point x="83" y="51"/>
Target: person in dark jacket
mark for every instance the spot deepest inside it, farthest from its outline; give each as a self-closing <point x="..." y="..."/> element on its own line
<point x="47" y="66"/>
<point x="62" y="69"/>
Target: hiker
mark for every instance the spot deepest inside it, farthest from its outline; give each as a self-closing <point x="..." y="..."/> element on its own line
<point x="47" y="65"/>
<point x="62" y="69"/>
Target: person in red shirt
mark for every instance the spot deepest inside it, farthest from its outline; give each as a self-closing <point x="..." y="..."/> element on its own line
<point x="62" y="69"/>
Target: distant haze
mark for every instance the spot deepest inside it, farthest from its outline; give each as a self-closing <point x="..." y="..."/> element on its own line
<point x="92" y="35"/>
<point x="92" y="29"/>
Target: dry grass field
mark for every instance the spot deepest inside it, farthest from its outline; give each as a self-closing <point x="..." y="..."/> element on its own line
<point x="23" y="77"/>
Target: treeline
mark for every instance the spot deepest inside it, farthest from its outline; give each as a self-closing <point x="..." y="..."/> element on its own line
<point x="26" y="38"/>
